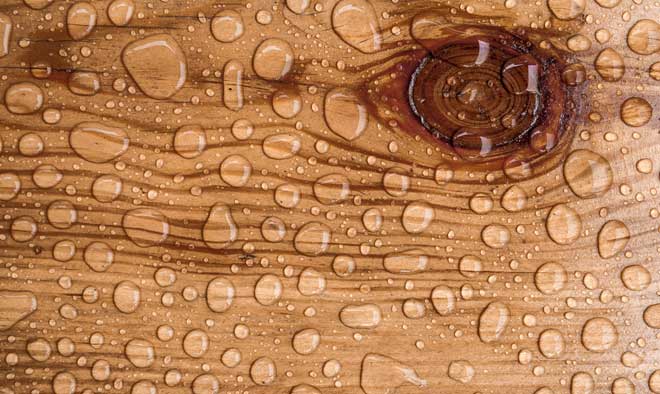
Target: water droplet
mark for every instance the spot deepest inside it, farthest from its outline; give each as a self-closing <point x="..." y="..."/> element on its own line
<point x="98" y="143"/>
<point x="84" y="83"/>
<point x="61" y="214"/>
<point x="622" y="386"/>
<point x="332" y="189"/>
<point x="550" y="278"/>
<point x="120" y="12"/>
<point x="23" y="229"/>
<point x="636" y="112"/>
<point x="15" y="306"/>
<point x="10" y="185"/>
<point x="652" y="316"/>
<point x="126" y="296"/>
<point x="551" y="343"/>
<point x="263" y="371"/>
<point x="298" y="7"/>
<point x="24" y="98"/>
<point x="612" y="238"/>
<point x="144" y="387"/>
<point x="39" y="349"/>
<point x="384" y="375"/>
<point x="99" y="256"/>
<point x="567" y="9"/>
<point x="345" y="114"/>
<point x="235" y="170"/>
<point x="206" y="384"/>
<point x="610" y="65"/>
<point x="406" y="262"/>
<point x="146" y="226"/>
<point x="273" y="59"/>
<point x="306" y="341"/>
<point x="231" y="357"/>
<point x="356" y="22"/>
<point x="6" y="27"/>
<point x="190" y="141"/>
<point x="493" y="321"/>
<point x="313" y="239"/>
<point x="220" y="293"/>
<point x="443" y="300"/>
<point x="81" y="20"/>
<point x="396" y="182"/>
<point x="227" y="26"/>
<point x="268" y="289"/>
<point x="582" y="383"/>
<point x="496" y="236"/>
<point x="461" y="371"/>
<point x="360" y="316"/>
<point x="281" y="146"/>
<point x="140" y="353"/>
<point x="644" y="37"/>
<point x="46" y="176"/>
<point x="220" y="229"/>
<point x="157" y="65"/>
<point x="287" y="103"/>
<point x="417" y="217"/>
<point x="587" y="173"/>
<point x="470" y="266"/>
<point x="343" y="265"/>
<point x="242" y="129"/>
<point x="64" y="383"/>
<point x="599" y="335"/>
<point x="196" y="343"/>
<point x="273" y="229"/>
<point x="414" y="309"/>
<point x="311" y="282"/>
<point x="232" y="85"/>
<point x="563" y="224"/>
<point x="654" y="382"/>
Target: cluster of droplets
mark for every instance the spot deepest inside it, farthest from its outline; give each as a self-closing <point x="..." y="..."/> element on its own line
<point x="195" y="277"/>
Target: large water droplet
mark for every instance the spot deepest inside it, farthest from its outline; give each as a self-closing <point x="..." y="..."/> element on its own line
<point x="157" y="64"/>
<point x="97" y="142"/>
<point x="345" y="114"/>
<point x="356" y="22"/>
<point x="219" y="230"/>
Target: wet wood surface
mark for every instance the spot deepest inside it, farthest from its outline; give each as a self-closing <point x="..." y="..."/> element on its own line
<point x="233" y="204"/>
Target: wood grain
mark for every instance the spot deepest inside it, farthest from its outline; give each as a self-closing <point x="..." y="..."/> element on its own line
<point x="154" y="176"/>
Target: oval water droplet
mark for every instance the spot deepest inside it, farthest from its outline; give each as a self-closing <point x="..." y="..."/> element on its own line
<point x="443" y="300"/>
<point x="81" y="20"/>
<point x="493" y="321"/>
<point x="361" y="316"/>
<point x="157" y="65"/>
<point x="356" y="22"/>
<point x="610" y="65"/>
<point x="587" y="173"/>
<point x="563" y="224"/>
<point x="273" y="59"/>
<point x="24" y="98"/>
<point x="220" y="293"/>
<point x="417" y="217"/>
<point x="232" y="85"/>
<point x="220" y="229"/>
<point x="97" y="142"/>
<point x="345" y="114"/>
<point x="644" y="37"/>
<point x="268" y="289"/>
<point x="306" y="341"/>
<point x="612" y="238"/>
<point x="146" y="226"/>
<point x="406" y="262"/>
<point x="550" y="278"/>
<point x="281" y="146"/>
<point x="126" y="296"/>
<point x="227" y="26"/>
<point x="190" y="141"/>
<point x="313" y="239"/>
<point x="120" y="12"/>
<point x="599" y="335"/>
<point x="551" y="343"/>
<point x="235" y="170"/>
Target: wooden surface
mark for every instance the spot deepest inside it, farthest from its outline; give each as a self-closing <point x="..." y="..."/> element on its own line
<point x="428" y="354"/>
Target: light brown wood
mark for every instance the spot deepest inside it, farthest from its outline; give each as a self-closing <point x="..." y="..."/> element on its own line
<point x="345" y="244"/>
